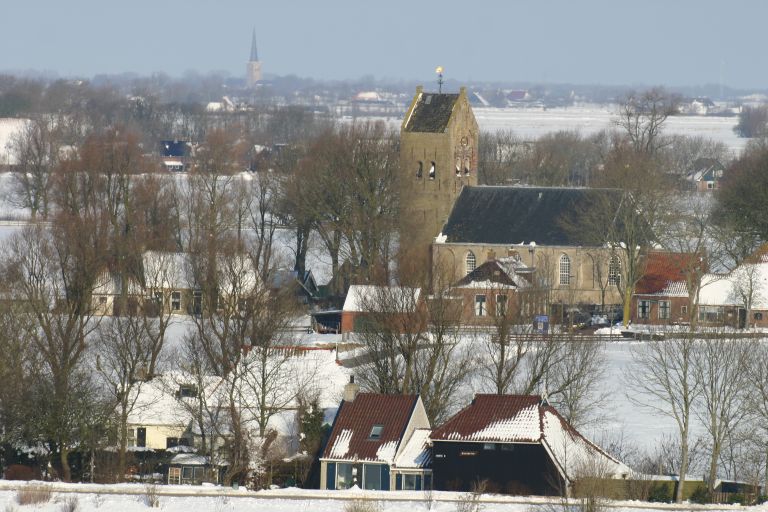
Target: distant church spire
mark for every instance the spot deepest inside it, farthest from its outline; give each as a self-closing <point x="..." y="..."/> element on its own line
<point x="254" y="53"/>
<point x="253" y="66"/>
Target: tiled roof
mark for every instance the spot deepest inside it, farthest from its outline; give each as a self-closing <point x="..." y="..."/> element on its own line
<point x="416" y="453"/>
<point x="350" y="437"/>
<point x="499" y="418"/>
<point x="516" y="215"/>
<point x="432" y="113"/>
<point x="502" y="271"/>
<point x="662" y="271"/>
<point x="523" y="419"/>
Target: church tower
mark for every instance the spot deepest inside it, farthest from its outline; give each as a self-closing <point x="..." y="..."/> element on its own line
<point x="438" y="157"/>
<point x="253" y="68"/>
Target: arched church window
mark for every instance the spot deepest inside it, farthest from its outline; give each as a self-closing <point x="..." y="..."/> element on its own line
<point x="470" y="262"/>
<point x="420" y="170"/>
<point x="432" y="171"/>
<point x="614" y="271"/>
<point x="565" y="270"/>
<point x="458" y="167"/>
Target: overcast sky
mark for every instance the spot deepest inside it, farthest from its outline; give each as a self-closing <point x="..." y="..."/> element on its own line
<point x="669" y="42"/>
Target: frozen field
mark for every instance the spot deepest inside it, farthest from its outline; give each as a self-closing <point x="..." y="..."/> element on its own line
<point x="130" y="498"/>
<point x="533" y="123"/>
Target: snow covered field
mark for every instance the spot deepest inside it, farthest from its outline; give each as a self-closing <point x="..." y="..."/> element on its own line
<point x="589" y="119"/>
<point x="129" y="498"/>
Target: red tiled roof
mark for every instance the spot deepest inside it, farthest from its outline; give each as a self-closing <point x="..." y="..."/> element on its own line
<point x="495" y="418"/>
<point x="661" y="269"/>
<point x="349" y="438"/>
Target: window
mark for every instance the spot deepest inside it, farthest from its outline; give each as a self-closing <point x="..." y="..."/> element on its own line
<point x="470" y="262"/>
<point x="131" y="437"/>
<point x="614" y="271"/>
<point x="102" y="301"/>
<point x="710" y="185"/>
<point x="507" y="447"/>
<point x="643" y="309"/>
<point x="480" y="309"/>
<point x="158" y="298"/>
<point x="376" y="431"/>
<point x="683" y="310"/>
<point x="432" y="171"/>
<point x="141" y="437"/>
<point x="343" y="475"/>
<point x="372" y="477"/>
<point x="411" y="483"/>
<point x="187" y="391"/>
<point x="466" y="168"/>
<point x="565" y="270"/>
<point x="501" y="305"/>
<point x="489" y="446"/>
<point x="758" y="316"/>
<point x="711" y="314"/>
<point x="458" y="167"/>
<point x="175" y="301"/>
<point x="664" y="310"/>
<point x="420" y="170"/>
<point x="197" y="302"/>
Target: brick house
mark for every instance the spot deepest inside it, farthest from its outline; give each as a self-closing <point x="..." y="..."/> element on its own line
<point x="390" y="304"/>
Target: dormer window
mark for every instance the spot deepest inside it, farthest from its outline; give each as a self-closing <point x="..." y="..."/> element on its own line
<point x="420" y="170"/>
<point x="432" y="171"/>
<point x="376" y="431"/>
<point x="187" y="391"/>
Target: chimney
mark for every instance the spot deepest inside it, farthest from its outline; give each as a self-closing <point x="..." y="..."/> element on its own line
<point x="351" y="390"/>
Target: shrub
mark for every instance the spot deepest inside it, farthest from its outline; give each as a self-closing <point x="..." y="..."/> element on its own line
<point x="659" y="493"/>
<point x="71" y="504"/>
<point x="700" y="495"/>
<point x="362" y="505"/>
<point x="151" y="499"/>
<point x="33" y="495"/>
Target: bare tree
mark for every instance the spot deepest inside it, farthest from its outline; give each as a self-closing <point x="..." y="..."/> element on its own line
<point x="642" y="116"/>
<point x="54" y="277"/>
<point x="753" y="121"/>
<point x="664" y="381"/>
<point x="721" y="368"/>
<point x="747" y="287"/>
<point x="36" y="149"/>
<point x="123" y="354"/>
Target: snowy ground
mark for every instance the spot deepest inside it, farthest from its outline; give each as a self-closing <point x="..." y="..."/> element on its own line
<point x="589" y="119"/>
<point x="129" y="498"/>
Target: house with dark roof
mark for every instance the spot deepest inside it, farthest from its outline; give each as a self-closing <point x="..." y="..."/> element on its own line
<point x="519" y="444"/>
<point x="495" y="289"/>
<point x="377" y="442"/>
<point x="706" y="175"/>
<point x="545" y="227"/>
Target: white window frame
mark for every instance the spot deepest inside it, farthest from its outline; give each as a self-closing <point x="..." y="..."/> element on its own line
<point x="175" y="300"/>
<point x="481" y="302"/>
<point x="565" y="270"/>
<point x="644" y="309"/>
<point x="614" y="271"/>
<point x="470" y="262"/>
<point x="665" y="310"/>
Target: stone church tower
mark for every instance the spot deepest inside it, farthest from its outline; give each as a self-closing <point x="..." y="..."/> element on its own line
<point x="438" y="157"/>
<point x="253" y="67"/>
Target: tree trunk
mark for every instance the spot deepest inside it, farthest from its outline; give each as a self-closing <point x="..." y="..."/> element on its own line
<point x="627" y="305"/>
<point x="683" y="465"/>
<point x="66" y="471"/>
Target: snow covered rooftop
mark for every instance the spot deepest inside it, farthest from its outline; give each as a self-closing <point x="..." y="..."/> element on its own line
<point x="380" y="298"/>
<point x="416" y="453"/>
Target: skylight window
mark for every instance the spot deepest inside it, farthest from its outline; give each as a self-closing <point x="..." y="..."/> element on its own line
<point x="376" y="432"/>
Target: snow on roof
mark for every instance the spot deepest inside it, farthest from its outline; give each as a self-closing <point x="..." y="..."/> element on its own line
<point x="525" y="419"/>
<point x="189" y="459"/>
<point x="375" y="298"/>
<point x="573" y="452"/>
<point x="341" y="444"/>
<point x="164" y="270"/>
<point x="416" y="453"/>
